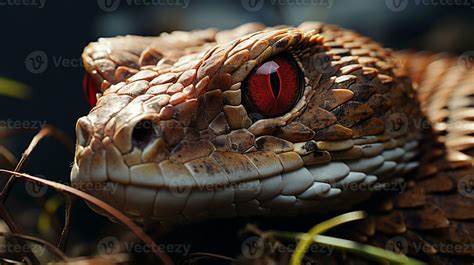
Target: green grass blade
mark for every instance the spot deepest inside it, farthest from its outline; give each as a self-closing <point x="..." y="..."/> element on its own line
<point x="368" y="251"/>
<point x="307" y="239"/>
<point x="15" y="89"/>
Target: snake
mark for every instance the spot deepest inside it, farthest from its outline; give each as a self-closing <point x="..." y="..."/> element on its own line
<point x="281" y="121"/>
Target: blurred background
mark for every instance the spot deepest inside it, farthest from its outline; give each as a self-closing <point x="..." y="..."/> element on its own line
<point x="42" y="40"/>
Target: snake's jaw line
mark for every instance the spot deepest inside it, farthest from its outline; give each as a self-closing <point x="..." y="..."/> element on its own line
<point x="171" y="139"/>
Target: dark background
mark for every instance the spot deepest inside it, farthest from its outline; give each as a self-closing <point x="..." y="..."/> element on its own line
<point x="62" y="28"/>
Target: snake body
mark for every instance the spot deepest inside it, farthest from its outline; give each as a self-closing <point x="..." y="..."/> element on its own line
<point x="172" y="140"/>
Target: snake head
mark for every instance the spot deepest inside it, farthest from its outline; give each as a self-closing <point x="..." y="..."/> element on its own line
<point x="251" y="121"/>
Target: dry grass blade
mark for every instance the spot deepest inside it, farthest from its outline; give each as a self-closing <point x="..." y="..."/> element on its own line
<point x="10" y="261"/>
<point x="194" y="257"/>
<point x="100" y="204"/>
<point x="67" y="220"/>
<point x="43" y="133"/>
<point x="29" y="258"/>
<point x="57" y="252"/>
<point x="7" y="157"/>
<point x="102" y="260"/>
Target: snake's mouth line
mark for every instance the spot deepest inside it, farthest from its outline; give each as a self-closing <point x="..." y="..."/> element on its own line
<point x="174" y="135"/>
<point x="177" y="193"/>
<point x="278" y="122"/>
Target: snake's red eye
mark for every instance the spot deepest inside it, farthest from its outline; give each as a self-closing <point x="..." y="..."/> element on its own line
<point x="90" y="89"/>
<point x="273" y="87"/>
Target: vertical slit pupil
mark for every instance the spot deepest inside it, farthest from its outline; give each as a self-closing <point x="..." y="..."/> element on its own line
<point x="275" y="84"/>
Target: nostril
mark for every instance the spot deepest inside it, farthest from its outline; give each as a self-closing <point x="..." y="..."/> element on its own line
<point x="84" y="132"/>
<point x="143" y="133"/>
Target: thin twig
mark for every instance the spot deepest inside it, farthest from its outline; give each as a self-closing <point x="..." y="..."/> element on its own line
<point x="5" y="216"/>
<point x="54" y="250"/>
<point x="102" y="205"/>
<point x="198" y="255"/>
<point x="43" y="133"/>
<point x="62" y="244"/>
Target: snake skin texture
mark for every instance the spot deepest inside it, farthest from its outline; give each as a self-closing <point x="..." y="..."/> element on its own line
<point x="171" y="140"/>
<point x="432" y="218"/>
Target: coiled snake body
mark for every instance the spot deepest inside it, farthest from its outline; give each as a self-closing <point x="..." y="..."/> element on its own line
<point x="278" y="121"/>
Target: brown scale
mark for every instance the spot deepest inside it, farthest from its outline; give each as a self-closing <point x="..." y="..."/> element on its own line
<point x="357" y="85"/>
